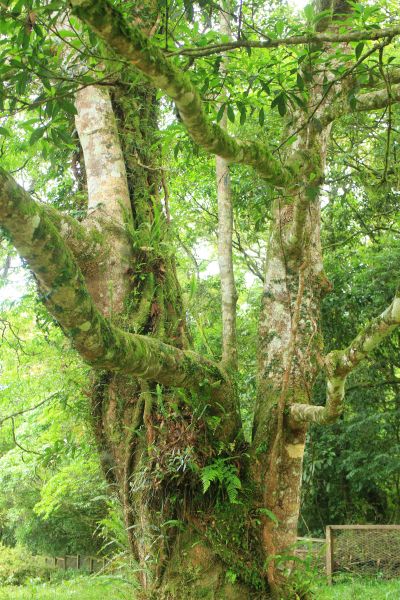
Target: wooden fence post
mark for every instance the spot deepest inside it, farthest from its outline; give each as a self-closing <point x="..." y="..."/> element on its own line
<point x="91" y="564"/>
<point x="329" y="553"/>
<point x="78" y="561"/>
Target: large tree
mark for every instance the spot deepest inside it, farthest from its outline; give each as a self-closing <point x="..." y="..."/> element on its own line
<point x="162" y="413"/>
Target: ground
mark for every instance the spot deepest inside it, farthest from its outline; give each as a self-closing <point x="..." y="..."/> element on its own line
<point x="97" y="588"/>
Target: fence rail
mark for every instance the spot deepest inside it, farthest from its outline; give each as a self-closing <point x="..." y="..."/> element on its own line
<point x="92" y="564"/>
<point x="349" y="548"/>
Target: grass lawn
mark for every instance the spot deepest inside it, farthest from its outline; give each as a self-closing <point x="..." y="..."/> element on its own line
<point x="80" y="588"/>
<point x="360" y="589"/>
<point x="101" y="588"/>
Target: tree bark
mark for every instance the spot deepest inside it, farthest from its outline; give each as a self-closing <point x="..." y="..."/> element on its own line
<point x="225" y="231"/>
<point x="161" y="413"/>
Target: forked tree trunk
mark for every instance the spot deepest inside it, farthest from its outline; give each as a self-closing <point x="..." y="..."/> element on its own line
<point x="155" y="439"/>
<point x="143" y="430"/>
<point x="145" y="433"/>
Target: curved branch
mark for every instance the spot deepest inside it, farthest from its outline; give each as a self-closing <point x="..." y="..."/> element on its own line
<point x="360" y="103"/>
<point x="294" y="40"/>
<point x="340" y="363"/>
<point x="25" y="410"/>
<point x="129" y="42"/>
<point x="98" y="341"/>
<point x="82" y="242"/>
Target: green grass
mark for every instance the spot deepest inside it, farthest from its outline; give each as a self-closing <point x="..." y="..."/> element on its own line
<point x="110" y="588"/>
<point x="80" y="588"/>
<point x="360" y="589"/>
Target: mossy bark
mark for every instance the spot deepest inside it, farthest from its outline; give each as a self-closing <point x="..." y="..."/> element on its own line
<point x="143" y="429"/>
<point x="120" y="303"/>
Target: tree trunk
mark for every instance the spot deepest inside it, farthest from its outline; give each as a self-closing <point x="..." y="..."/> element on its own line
<point x="166" y="420"/>
<point x="290" y="349"/>
<point x="145" y="432"/>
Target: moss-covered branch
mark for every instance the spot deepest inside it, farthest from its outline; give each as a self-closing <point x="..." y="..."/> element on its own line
<point x="64" y="292"/>
<point x="370" y="101"/>
<point x="133" y="45"/>
<point x="84" y="243"/>
<point x="294" y="40"/>
<point x="340" y="363"/>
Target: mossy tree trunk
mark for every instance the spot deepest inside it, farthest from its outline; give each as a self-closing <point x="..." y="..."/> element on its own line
<point x="149" y="437"/>
<point x="161" y="413"/>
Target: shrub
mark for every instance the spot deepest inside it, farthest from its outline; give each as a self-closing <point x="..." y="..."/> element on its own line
<point x="17" y="566"/>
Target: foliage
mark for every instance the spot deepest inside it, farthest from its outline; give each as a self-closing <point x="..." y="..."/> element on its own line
<point x="225" y="475"/>
<point x="352" y="467"/>
<point x="52" y="492"/>
<point x="17" y="566"/>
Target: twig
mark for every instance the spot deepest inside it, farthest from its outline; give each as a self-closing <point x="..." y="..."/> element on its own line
<point x="18" y="444"/>
<point x="25" y="410"/>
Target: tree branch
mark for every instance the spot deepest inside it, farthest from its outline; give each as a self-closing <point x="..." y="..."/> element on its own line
<point x="294" y="40"/>
<point x="361" y="103"/>
<point x="98" y="341"/>
<point x="129" y="42"/>
<point x="25" y="410"/>
<point x="82" y="242"/>
<point x="340" y="363"/>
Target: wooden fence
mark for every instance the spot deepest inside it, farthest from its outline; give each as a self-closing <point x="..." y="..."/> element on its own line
<point x="91" y="564"/>
<point x="348" y="548"/>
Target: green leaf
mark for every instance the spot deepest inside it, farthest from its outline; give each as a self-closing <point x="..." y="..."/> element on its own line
<point x="281" y="104"/>
<point x="265" y="87"/>
<point x="64" y="136"/>
<point x="217" y="64"/>
<point x="352" y="100"/>
<point x="242" y="111"/>
<point x="188" y="4"/>
<point x="279" y="27"/>
<point x="67" y="106"/>
<point x="37" y="134"/>
<point x="359" y="49"/>
<point x="261" y="117"/>
<point x="230" y="112"/>
<point x="309" y="12"/>
<point x="220" y="113"/>
<point x="4" y="131"/>
<point x="300" y="82"/>
<point x="268" y="513"/>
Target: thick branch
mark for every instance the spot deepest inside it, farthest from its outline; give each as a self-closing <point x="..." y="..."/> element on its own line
<point x="84" y="243"/>
<point x="129" y="42"/>
<point x="360" y="103"/>
<point x="340" y="363"/>
<point x="101" y="344"/>
<point x="294" y="40"/>
<point x="392" y="74"/>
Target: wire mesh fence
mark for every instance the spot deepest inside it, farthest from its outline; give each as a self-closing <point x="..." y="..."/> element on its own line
<point x="312" y="552"/>
<point x="369" y="550"/>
